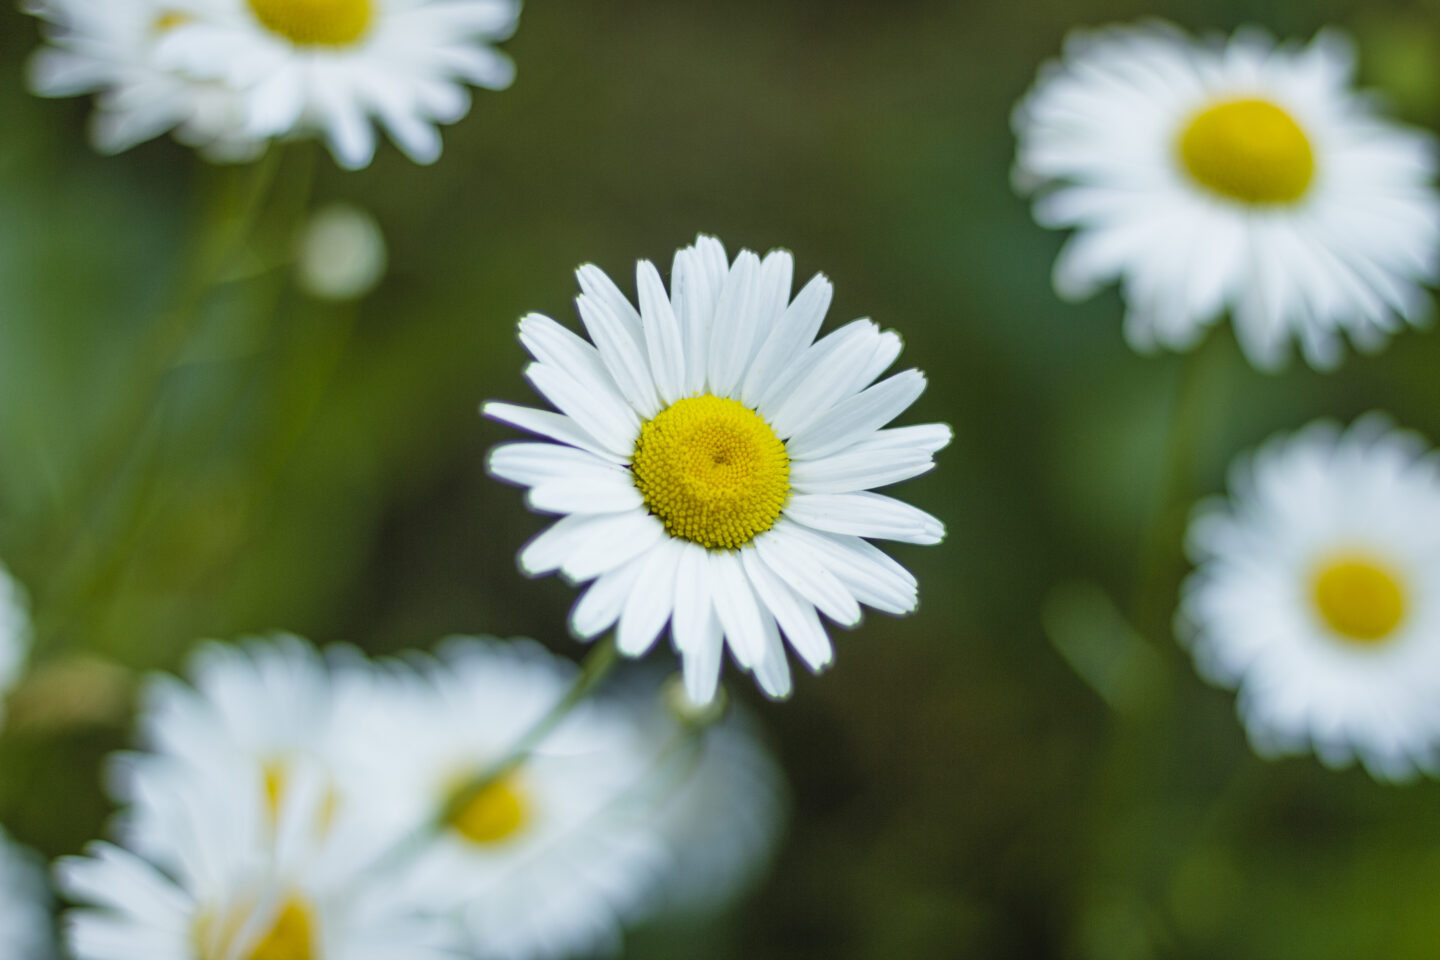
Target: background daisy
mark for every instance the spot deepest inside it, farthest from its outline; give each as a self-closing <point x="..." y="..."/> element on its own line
<point x="25" y="921"/>
<point x="1314" y="595"/>
<point x="1235" y="176"/>
<point x="713" y="464"/>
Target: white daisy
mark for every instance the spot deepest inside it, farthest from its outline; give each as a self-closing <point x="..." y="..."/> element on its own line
<point x="330" y="66"/>
<point x="714" y="462"/>
<point x="267" y="705"/>
<point x="110" y="49"/>
<point x="1317" y="594"/>
<point x="24" y="904"/>
<point x="1234" y="176"/>
<point x="249" y="881"/>
<point x="543" y="863"/>
<point x="15" y="634"/>
<point x="717" y="799"/>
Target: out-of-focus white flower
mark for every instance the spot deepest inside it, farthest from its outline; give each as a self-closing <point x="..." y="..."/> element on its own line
<point x="341" y="253"/>
<point x="717" y="799"/>
<point x="110" y="48"/>
<point x="546" y="861"/>
<point x="331" y="66"/>
<point x="1231" y="175"/>
<point x="24" y="904"/>
<point x="15" y="634"/>
<point x="1317" y="594"/>
<point x="713" y="464"/>
<point x="247" y="879"/>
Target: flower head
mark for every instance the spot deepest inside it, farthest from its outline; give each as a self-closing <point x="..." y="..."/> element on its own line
<point x="713" y="464"/>
<point x="1231" y="175"/>
<point x="1315" y="594"/>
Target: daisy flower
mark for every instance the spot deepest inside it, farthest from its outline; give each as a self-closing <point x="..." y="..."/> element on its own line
<point x="1317" y="594"/>
<point x="14" y="634"/>
<point x="111" y="49"/>
<point x="330" y="66"/>
<point x="24" y="904"/>
<point x="544" y="862"/>
<point x="1231" y="176"/>
<point x="712" y="464"/>
<point x="249" y="881"/>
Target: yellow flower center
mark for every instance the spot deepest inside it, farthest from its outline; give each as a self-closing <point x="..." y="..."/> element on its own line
<point x="713" y="471"/>
<point x="494" y="814"/>
<point x="1248" y="150"/>
<point x="291" y="936"/>
<point x="316" y="23"/>
<point x="1360" y="599"/>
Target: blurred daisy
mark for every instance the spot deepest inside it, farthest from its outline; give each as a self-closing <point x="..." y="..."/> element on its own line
<point x="15" y="636"/>
<point x="111" y="49"/>
<point x="330" y="66"/>
<point x="1315" y="594"/>
<point x="340" y="254"/>
<point x="541" y="863"/>
<point x="1234" y="176"/>
<point x="714" y="463"/>
<point x="717" y="799"/>
<point x="24" y="904"/>
<point x="248" y="883"/>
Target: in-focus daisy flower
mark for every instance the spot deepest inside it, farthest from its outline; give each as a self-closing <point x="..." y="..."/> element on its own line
<point x="247" y="881"/>
<point x="111" y="49"/>
<point x="24" y="904"/>
<point x="717" y="799"/>
<point x="1231" y="175"/>
<point x="331" y="66"/>
<point x="15" y="637"/>
<point x="713" y="464"/>
<point x="1317" y="594"/>
<point x="544" y="862"/>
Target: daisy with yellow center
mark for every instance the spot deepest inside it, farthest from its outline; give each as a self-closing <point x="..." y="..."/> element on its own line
<point x="1236" y="177"/>
<point x="714" y="463"/>
<point x="1314" y="595"/>
<point x="536" y="861"/>
<point x="336" y="67"/>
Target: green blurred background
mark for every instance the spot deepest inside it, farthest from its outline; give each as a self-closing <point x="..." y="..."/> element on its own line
<point x="1011" y="773"/>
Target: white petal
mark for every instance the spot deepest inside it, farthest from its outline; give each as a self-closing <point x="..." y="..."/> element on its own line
<point x="737" y="608"/>
<point x="662" y="333"/>
<point x="734" y="329"/>
<point x="612" y="423"/>
<point x="623" y="356"/>
<point x="544" y="423"/>
<point x="887" y="456"/>
<point x="796" y="616"/>
<point x="792" y="334"/>
<point x="857" y="416"/>
<point x="601" y="604"/>
<point x="613" y="539"/>
<point x="595" y="493"/>
<point x="651" y="600"/>
<point x="874" y="578"/>
<point x="871" y="515"/>
<point x="773" y="670"/>
<point x="794" y="562"/>
<point x="534" y="463"/>
<point x="697" y="633"/>
<point x="826" y="374"/>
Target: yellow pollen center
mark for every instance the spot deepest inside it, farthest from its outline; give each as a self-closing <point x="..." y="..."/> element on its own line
<point x="495" y="814"/>
<point x="1360" y="599"/>
<point x="277" y="780"/>
<point x="1248" y="150"/>
<point x="713" y="471"/>
<point x="170" y="20"/>
<point x="291" y="935"/>
<point x="316" y="23"/>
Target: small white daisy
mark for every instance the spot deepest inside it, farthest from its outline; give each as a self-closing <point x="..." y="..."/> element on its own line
<point x="714" y="463"/>
<point x="110" y="48"/>
<point x="24" y="904"/>
<point x="717" y="799"/>
<point x="249" y="880"/>
<point x="1317" y="594"/>
<point x="1231" y="175"/>
<point x="15" y="634"/>
<point x="543" y="863"/>
<point x="330" y="66"/>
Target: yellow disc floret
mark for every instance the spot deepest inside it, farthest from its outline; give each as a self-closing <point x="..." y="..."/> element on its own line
<point x="316" y="23"/>
<point x="291" y="936"/>
<point x="496" y="813"/>
<point x="1248" y="150"/>
<point x="1360" y="599"/>
<point x="713" y="471"/>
